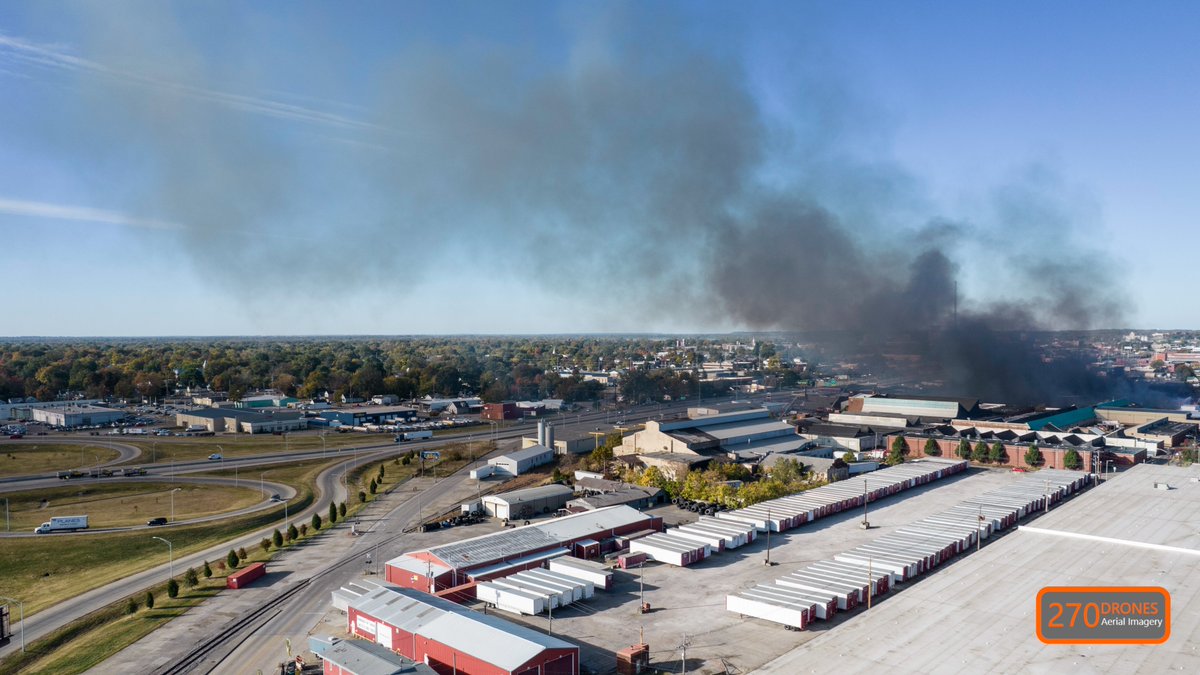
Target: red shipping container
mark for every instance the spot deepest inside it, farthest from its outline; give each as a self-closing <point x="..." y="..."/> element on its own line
<point x="243" y="578"/>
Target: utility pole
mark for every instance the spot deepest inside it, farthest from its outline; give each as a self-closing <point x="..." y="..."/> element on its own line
<point x="683" y="648"/>
<point x="870" y="580"/>
<point x="979" y="534"/>
<point x="768" y="561"/>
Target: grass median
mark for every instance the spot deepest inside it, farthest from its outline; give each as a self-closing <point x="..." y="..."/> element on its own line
<point x="125" y="504"/>
<point x="25" y="459"/>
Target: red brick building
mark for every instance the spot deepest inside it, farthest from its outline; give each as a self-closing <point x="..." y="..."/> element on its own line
<point x="497" y="412"/>
<point x="452" y="639"/>
<point x="1053" y="455"/>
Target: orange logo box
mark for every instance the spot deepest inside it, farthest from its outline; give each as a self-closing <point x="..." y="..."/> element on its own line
<point x="1103" y="615"/>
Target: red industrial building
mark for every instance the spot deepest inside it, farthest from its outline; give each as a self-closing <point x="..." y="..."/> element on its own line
<point x="1015" y="446"/>
<point x="459" y="563"/>
<point x="500" y="411"/>
<point x="452" y="639"/>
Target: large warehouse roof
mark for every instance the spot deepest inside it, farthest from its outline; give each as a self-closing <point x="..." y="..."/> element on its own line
<point x="488" y="638"/>
<point x="978" y="614"/>
<point x="528" y="494"/>
<point x="506" y="543"/>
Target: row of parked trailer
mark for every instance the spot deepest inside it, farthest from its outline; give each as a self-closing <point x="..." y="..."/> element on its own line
<point x="694" y="542"/>
<point x="565" y="581"/>
<point x="854" y="577"/>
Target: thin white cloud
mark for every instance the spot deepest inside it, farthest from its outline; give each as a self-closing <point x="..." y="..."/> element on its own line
<point x="24" y="52"/>
<point x="18" y="207"/>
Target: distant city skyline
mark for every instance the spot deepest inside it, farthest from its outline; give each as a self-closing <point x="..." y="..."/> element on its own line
<point x="175" y="169"/>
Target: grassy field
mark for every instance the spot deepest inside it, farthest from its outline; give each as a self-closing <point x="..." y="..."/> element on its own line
<point x="121" y="504"/>
<point x="43" y="571"/>
<point x="21" y="459"/>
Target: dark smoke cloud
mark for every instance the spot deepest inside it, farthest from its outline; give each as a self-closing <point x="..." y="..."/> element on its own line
<point x="636" y="165"/>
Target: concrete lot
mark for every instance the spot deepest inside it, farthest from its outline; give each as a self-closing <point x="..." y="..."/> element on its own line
<point x="691" y="601"/>
<point x="978" y="615"/>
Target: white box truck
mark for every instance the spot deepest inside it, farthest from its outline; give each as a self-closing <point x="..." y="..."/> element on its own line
<point x="62" y="524"/>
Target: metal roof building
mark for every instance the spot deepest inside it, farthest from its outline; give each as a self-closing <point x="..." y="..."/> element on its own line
<point x="529" y="502"/>
<point x="519" y="547"/>
<point x="359" y="657"/>
<point x="451" y="638"/>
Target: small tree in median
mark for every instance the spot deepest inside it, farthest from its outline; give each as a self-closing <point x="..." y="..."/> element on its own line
<point x="362" y="497"/>
<point x="332" y="513"/>
<point x="316" y="522"/>
<point x="172" y="589"/>
<point x="277" y="538"/>
<point x="265" y="544"/>
<point x="371" y="486"/>
<point x="207" y="570"/>
<point x="303" y="529"/>
<point x="1033" y="456"/>
<point x="190" y="577"/>
<point x="293" y="533"/>
<point x="998" y="454"/>
<point x="149" y="600"/>
<point x="131" y="607"/>
<point x="981" y="453"/>
<point x="964" y="449"/>
<point x="231" y="560"/>
<point x="241" y="553"/>
<point x="342" y="510"/>
<point x="932" y="449"/>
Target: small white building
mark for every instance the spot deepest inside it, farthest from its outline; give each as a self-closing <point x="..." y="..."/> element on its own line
<point x="521" y="461"/>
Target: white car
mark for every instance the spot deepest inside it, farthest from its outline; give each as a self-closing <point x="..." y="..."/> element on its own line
<point x="215" y="456"/>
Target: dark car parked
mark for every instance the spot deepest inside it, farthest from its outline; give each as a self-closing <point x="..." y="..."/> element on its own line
<point x="156" y="521"/>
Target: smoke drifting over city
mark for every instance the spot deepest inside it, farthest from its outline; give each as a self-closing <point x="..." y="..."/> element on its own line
<point x="632" y="164"/>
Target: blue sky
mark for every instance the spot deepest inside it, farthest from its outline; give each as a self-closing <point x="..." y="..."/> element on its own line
<point x="300" y="168"/>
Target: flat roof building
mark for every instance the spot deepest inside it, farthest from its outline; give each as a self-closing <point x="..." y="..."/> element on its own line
<point x="236" y="420"/>
<point x="76" y="415"/>
<point x="521" y="461"/>
<point x="978" y="615"/>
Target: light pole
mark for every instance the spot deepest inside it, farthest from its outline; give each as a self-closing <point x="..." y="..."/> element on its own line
<point x="170" y="557"/>
<point x="153" y="450"/>
<point x="260" y="484"/>
<point x="322" y="445"/>
<point x="173" y="503"/>
<point x="7" y="525"/>
<point x="21" y="606"/>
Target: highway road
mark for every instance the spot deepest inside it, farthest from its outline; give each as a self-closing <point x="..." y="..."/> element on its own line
<point x="328" y="487"/>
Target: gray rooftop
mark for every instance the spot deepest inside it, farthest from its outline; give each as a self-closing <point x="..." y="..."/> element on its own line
<point x="529" y="494"/>
<point x="989" y="596"/>
<point x="366" y="658"/>
<point x="486" y="637"/>
<point x="489" y="548"/>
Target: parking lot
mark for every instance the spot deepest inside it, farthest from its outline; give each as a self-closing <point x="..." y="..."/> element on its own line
<point x="689" y="603"/>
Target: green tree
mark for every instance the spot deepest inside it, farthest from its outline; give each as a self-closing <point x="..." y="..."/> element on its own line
<point x="333" y="514"/>
<point x="371" y="486"/>
<point x="1033" y="456"/>
<point x="241" y="553"/>
<point x="380" y="473"/>
<point x="292" y="533"/>
<point x="231" y="560"/>
<point x="932" y="449"/>
<point x="964" y="449"/>
<point x="277" y="538"/>
<point x="172" y="589"/>
<point x="1072" y="460"/>
<point x="190" y="577"/>
<point x="362" y="497"/>
<point x="342" y="510"/>
<point x="149" y="600"/>
<point x="265" y="544"/>
<point x="131" y="607"/>
<point x="981" y="453"/>
<point x="207" y="570"/>
<point x="316" y="522"/>
<point x="897" y="453"/>
<point x="997" y="454"/>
